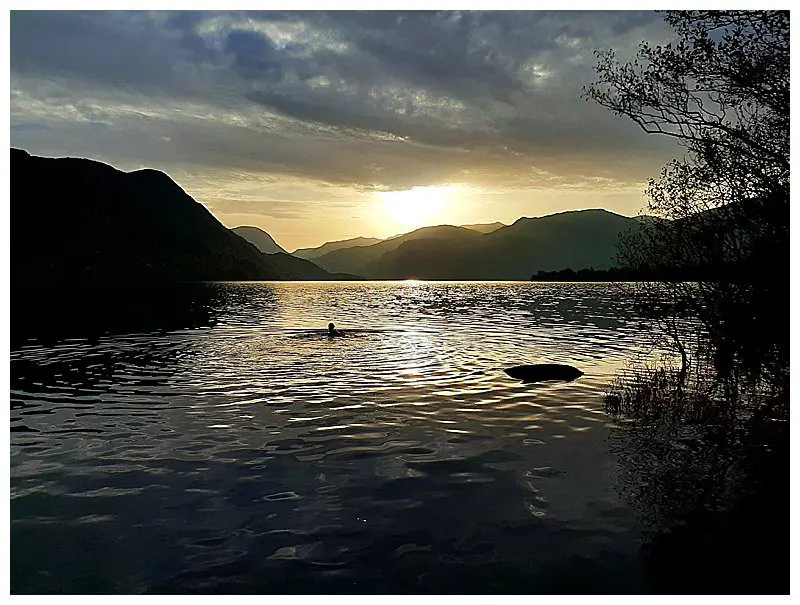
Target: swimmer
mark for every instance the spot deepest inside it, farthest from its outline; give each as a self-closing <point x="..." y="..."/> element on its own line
<point x="332" y="331"/>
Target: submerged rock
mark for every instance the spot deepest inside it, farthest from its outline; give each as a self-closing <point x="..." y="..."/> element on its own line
<point x="540" y="372"/>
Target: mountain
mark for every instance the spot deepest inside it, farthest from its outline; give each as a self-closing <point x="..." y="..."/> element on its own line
<point x="485" y="227"/>
<point x="259" y="238"/>
<point x="79" y="221"/>
<point x="312" y="253"/>
<point x="577" y="240"/>
<point x="360" y="260"/>
<point x="288" y="267"/>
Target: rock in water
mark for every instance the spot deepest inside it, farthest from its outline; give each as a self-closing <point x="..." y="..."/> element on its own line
<point x="540" y="372"/>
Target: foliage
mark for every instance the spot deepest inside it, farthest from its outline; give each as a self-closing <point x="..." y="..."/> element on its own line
<point x="722" y="91"/>
<point x="703" y="447"/>
<point x="625" y="274"/>
<point x="693" y="464"/>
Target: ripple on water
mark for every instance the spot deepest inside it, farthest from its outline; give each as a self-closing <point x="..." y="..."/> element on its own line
<point x="262" y="455"/>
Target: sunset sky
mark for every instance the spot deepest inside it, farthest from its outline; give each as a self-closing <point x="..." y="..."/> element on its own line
<point x="321" y="126"/>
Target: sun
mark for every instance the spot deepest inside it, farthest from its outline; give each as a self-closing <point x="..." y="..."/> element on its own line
<point x="415" y="207"/>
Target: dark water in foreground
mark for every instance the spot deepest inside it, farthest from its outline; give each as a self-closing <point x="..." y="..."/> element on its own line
<point x="228" y="446"/>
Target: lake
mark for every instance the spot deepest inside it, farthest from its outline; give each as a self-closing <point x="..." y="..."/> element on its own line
<point x="230" y="445"/>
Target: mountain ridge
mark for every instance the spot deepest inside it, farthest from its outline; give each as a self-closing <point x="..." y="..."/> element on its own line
<point x="77" y="220"/>
<point x="353" y="260"/>
<point x="87" y="221"/>
<point x="572" y="239"/>
<point x="311" y="253"/>
<point x="485" y="227"/>
<point x="259" y="238"/>
<point x="315" y="252"/>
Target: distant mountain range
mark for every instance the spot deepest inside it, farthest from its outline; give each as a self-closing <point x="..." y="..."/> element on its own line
<point x="312" y="253"/>
<point x="357" y="260"/>
<point x="260" y="239"/>
<point x="485" y="227"/>
<point x="579" y="239"/>
<point x="79" y="221"/>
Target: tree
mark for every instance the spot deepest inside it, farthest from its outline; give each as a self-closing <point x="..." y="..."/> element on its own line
<point x="721" y="212"/>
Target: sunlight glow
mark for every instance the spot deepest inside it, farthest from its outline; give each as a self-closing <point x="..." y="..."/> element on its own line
<point x="415" y="207"/>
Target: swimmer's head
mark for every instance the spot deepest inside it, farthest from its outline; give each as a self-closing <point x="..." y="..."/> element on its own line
<point x="331" y="327"/>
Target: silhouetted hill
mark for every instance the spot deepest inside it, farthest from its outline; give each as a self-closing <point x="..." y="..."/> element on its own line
<point x="596" y="224"/>
<point x="577" y="240"/>
<point x="426" y="258"/>
<point x="312" y="253"/>
<point x="81" y="221"/>
<point x="292" y="268"/>
<point x="358" y="259"/>
<point x="259" y="238"/>
<point x="485" y="227"/>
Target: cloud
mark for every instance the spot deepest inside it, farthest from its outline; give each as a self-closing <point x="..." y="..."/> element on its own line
<point x="371" y="99"/>
<point x="27" y="127"/>
<point x="255" y="57"/>
<point x="267" y="208"/>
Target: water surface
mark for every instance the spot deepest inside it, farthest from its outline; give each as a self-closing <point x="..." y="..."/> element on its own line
<point x="246" y="451"/>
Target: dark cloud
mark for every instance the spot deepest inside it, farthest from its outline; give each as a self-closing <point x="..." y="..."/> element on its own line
<point x="255" y="57"/>
<point x="375" y="98"/>
<point x="436" y="50"/>
<point x="107" y="49"/>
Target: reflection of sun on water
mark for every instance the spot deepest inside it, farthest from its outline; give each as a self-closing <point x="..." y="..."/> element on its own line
<point x="415" y="207"/>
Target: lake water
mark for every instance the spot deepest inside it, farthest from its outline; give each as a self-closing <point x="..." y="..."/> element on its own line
<point x="234" y="447"/>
